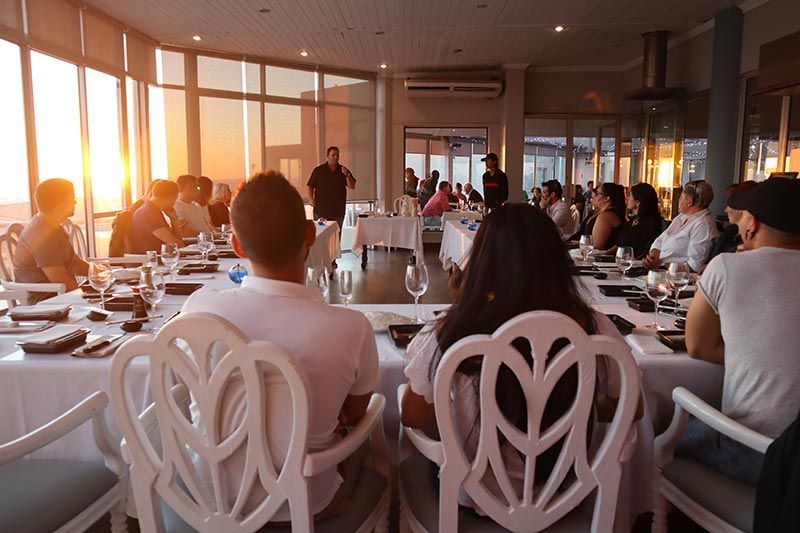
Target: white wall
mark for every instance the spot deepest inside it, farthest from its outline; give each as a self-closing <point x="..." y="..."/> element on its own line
<point x="573" y="92"/>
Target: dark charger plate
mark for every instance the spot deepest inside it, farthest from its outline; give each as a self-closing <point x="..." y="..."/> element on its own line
<point x="181" y="289"/>
<point x="198" y="268"/>
<point x="402" y="334"/>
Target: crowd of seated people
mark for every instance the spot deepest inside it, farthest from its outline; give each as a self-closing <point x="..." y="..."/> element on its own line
<point x="438" y="204"/>
<point x="556" y="208"/>
<point x="645" y="223"/>
<point x="191" y="205"/>
<point x="608" y="216"/>
<point x="219" y="207"/>
<point x="156" y="222"/>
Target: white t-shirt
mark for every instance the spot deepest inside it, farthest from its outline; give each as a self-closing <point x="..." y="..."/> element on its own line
<point x="335" y="347"/>
<point x="757" y="299"/>
<point x="688" y="238"/>
<point x="466" y="405"/>
<point x="562" y="217"/>
<point x="195" y="215"/>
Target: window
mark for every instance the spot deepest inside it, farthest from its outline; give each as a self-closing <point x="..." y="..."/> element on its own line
<point x="14" y="194"/>
<point x="793" y="149"/>
<point x="252" y="78"/>
<point x="214" y="73"/>
<point x="169" y="67"/>
<point x="291" y="83"/>
<point x="352" y="130"/>
<point x="762" y="124"/>
<point x="168" y="156"/>
<point x="292" y="142"/>
<point x="545" y="152"/>
<point x="587" y="144"/>
<point x="105" y="153"/>
<point x="254" y="140"/>
<point x="347" y="90"/>
<point x="134" y="141"/>
<point x="58" y="123"/>
<point x="222" y="138"/>
<point x="695" y="141"/>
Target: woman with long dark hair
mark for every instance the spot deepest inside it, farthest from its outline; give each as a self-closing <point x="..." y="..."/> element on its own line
<point x="645" y="224"/>
<point x="518" y="264"/>
<point x="608" y="216"/>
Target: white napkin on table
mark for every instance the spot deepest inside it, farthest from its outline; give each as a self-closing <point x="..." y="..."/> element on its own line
<point x="647" y="344"/>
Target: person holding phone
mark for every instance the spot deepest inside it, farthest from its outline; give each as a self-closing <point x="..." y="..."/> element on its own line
<point x="327" y="188"/>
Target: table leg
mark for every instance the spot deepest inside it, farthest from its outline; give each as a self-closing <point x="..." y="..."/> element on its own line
<point x="363" y="257"/>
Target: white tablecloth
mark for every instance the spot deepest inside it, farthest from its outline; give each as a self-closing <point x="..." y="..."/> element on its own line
<point x="458" y="215"/>
<point x="456" y="244"/>
<point x="326" y="248"/>
<point x="399" y="232"/>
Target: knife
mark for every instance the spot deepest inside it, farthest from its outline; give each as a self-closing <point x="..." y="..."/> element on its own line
<point x="102" y="342"/>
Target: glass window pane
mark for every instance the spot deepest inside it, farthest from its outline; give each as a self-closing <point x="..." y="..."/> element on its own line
<point x="254" y="141"/>
<point x="545" y="151"/>
<point x="417" y="162"/>
<point x="347" y="90"/>
<point x="222" y="138"/>
<point x="793" y="150"/>
<point x="608" y="148"/>
<point x="584" y="149"/>
<point x="170" y="67"/>
<point x="58" y="123"/>
<point x="353" y="132"/>
<point x="252" y="76"/>
<point x="478" y="166"/>
<point x="102" y="235"/>
<point x="761" y="135"/>
<point x="14" y="194"/>
<point x="695" y="140"/>
<point x="105" y="154"/>
<point x="167" y="115"/>
<point x="132" y="102"/>
<point x="215" y="73"/>
<point x="290" y="83"/>
<point x="292" y="139"/>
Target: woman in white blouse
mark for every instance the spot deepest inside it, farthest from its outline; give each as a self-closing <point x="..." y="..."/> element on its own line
<point x="518" y="264"/>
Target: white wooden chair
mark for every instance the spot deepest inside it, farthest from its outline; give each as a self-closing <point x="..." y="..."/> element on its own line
<point x="712" y="500"/>
<point x="402" y="202"/>
<point x="76" y="238"/>
<point x="557" y="505"/>
<point x="58" y="494"/>
<point x="169" y="492"/>
<point x="14" y="298"/>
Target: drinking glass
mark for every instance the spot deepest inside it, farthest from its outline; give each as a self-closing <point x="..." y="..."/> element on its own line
<point x="624" y="259"/>
<point x="678" y="275"/>
<point x="317" y="278"/>
<point x="227" y="232"/>
<point x="170" y="257"/>
<point x="152" y="289"/>
<point x="205" y="242"/>
<point x="100" y="278"/>
<point x="152" y="259"/>
<point x="586" y="247"/>
<point x="657" y="289"/>
<point x="346" y="286"/>
<point x="416" y="284"/>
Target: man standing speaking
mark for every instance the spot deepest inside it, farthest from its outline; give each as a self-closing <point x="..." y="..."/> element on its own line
<point x="327" y="188"/>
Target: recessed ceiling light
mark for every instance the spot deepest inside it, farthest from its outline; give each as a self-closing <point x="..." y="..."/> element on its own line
<point x="196" y="38"/>
<point x="483" y="6"/>
<point x="264" y="10"/>
<point x="383" y="65"/>
<point x="304" y="53"/>
<point x="559" y="29"/>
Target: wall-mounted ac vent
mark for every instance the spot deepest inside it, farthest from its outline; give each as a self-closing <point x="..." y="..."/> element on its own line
<point x="453" y="89"/>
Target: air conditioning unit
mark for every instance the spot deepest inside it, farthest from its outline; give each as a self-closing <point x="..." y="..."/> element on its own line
<point x="453" y="89"/>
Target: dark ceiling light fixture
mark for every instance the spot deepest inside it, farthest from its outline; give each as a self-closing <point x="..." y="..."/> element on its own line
<point x="458" y="50"/>
<point x="482" y="6"/>
<point x="380" y="32"/>
<point x="654" y="70"/>
<point x="264" y="10"/>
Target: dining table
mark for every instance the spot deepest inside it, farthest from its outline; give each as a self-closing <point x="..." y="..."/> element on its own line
<point x="36" y="388"/>
<point x="386" y="230"/>
<point x="457" y="240"/>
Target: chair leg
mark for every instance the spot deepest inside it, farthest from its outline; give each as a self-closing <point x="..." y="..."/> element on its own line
<point x="119" y="520"/>
<point x="660" y="513"/>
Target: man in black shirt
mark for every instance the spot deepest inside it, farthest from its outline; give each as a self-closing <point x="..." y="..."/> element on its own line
<point x="495" y="183"/>
<point x="473" y="196"/>
<point x="327" y="188"/>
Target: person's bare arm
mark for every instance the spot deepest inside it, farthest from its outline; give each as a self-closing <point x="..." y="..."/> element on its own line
<point x="417" y="412"/>
<point x="166" y="236"/>
<point x="351" y="181"/>
<point x="653" y="259"/>
<point x="59" y="274"/>
<point x="353" y="409"/>
<point x="79" y="267"/>
<point x="311" y="196"/>
<point x="703" y="331"/>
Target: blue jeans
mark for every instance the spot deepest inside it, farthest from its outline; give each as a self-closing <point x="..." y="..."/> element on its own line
<point x="720" y="453"/>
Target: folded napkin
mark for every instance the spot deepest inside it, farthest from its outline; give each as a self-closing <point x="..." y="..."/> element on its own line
<point x="18" y="328"/>
<point x="647" y="344"/>
<point x="52" y="335"/>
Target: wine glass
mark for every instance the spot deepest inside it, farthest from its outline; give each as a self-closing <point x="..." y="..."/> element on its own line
<point x="170" y="257"/>
<point x="205" y="242"/>
<point x="152" y="259"/>
<point x="227" y="232"/>
<point x="416" y="282"/>
<point x="657" y="289"/>
<point x="152" y="288"/>
<point x="624" y="259"/>
<point x="678" y="275"/>
<point x="100" y="278"/>
<point x="317" y="278"/>
<point x="586" y="247"/>
<point x="346" y="286"/>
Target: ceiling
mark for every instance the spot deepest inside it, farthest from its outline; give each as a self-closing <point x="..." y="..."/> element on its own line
<point x="417" y="35"/>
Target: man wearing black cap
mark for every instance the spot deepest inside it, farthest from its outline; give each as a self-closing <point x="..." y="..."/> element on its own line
<point x="495" y="183"/>
<point x="729" y="240"/>
<point x="745" y="317"/>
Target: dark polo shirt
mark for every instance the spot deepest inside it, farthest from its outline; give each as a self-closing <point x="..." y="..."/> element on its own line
<point x="495" y="188"/>
<point x="330" y="191"/>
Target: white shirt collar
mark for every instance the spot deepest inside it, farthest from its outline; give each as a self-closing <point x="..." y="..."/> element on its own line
<point x="282" y="289"/>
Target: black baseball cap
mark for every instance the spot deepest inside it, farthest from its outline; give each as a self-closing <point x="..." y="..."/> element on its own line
<point x="737" y="200"/>
<point x="490" y="155"/>
<point x="774" y="203"/>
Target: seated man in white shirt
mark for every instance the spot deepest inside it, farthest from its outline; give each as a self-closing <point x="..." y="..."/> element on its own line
<point x="195" y="217"/>
<point x="556" y="208"/>
<point x="745" y="317"/>
<point x="691" y="234"/>
<point x="335" y="347"/>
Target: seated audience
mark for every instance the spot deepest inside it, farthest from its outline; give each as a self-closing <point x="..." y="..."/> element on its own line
<point x="460" y="194"/>
<point x="155" y="222"/>
<point x="608" y="216"/>
<point x="556" y="208"/>
<point x="484" y="301"/>
<point x="44" y="253"/>
<point x="411" y="182"/>
<point x="271" y="305"/>
<point x="220" y="203"/>
<point x="428" y="188"/>
<point x="439" y="202"/>
<point x="189" y="211"/>
<point x="120" y="242"/>
<point x="646" y="223"/>
<point x="729" y="239"/>
<point x="691" y="234"/>
<point x="536" y="197"/>
<point x="473" y="196"/>
<point x="745" y="317"/>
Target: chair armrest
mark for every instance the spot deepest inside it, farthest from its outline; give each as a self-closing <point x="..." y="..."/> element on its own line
<point x="58" y="288"/>
<point x="55" y="429"/>
<point x="326" y="459"/>
<point x="430" y="448"/>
